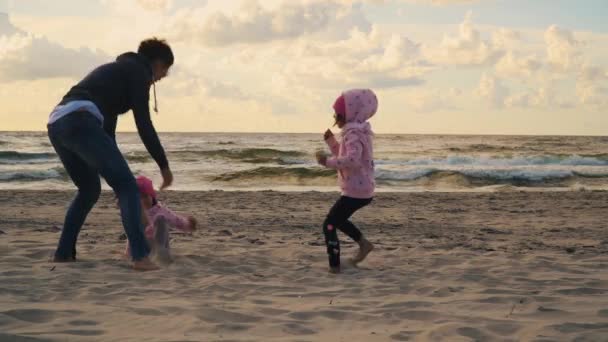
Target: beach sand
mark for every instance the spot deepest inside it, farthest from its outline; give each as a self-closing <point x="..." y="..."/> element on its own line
<point x="511" y="266"/>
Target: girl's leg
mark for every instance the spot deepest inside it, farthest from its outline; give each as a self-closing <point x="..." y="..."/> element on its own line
<point x="337" y="218"/>
<point x="161" y="240"/>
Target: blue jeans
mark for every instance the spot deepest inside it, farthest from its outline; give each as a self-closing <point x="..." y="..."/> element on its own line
<point x="86" y="152"/>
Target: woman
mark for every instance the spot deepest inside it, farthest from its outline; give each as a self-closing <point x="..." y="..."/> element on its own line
<point x="82" y="130"/>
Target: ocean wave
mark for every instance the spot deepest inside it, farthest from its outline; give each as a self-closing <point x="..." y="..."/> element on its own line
<point x="14" y="157"/>
<point x="419" y="177"/>
<point x="549" y="159"/>
<point x="281" y="175"/>
<point x="480" y="148"/>
<point x="137" y="157"/>
<point x="477" y="178"/>
<point x="247" y="155"/>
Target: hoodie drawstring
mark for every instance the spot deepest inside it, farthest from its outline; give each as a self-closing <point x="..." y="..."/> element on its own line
<point x="155" y="102"/>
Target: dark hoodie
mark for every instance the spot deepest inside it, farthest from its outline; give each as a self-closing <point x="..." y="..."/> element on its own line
<point x="118" y="87"/>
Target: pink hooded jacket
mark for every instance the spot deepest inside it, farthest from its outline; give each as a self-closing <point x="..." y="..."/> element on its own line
<point x="174" y="221"/>
<point x="353" y="156"/>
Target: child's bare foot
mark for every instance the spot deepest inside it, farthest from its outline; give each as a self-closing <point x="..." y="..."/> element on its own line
<point x="364" y="248"/>
<point x="334" y="270"/>
<point x="145" y="265"/>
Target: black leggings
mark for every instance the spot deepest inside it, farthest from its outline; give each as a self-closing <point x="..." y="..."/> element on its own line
<point x="338" y="218"/>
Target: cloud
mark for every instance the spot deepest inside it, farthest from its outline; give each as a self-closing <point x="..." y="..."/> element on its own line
<point x="592" y="86"/>
<point x="155" y="5"/>
<point x="425" y="100"/>
<point x="451" y="2"/>
<point x="467" y="48"/>
<point x="365" y="59"/>
<point x="592" y="73"/>
<point x="424" y="2"/>
<point x="28" y="57"/>
<point x="195" y="85"/>
<point x="254" y="24"/>
<point x="505" y="38"/>
<point x="134" y="7"/>
<point x="491" y="89"/>
<point x="562" y="48"/>
<point x="543" y="96"/>
<point x="518" y="67"/>
<point x="443" y="2"/>
<point x="6" y="27"/>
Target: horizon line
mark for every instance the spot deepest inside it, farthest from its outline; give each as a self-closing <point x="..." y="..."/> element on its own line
<point x="261" y="132"/>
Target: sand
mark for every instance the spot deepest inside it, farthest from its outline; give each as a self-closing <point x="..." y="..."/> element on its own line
<point x="512" y="266"/>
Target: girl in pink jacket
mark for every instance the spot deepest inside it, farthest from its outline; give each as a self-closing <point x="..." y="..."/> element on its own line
<point x="353" y="158"/>
<point x="159" y="219"/>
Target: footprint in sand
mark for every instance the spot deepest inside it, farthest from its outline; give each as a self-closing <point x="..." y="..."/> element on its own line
<point x="40" y="254"/>
<point x="582" y="291"/>
<point x="16" y="338"/>
<point x="403" y="336"/>
<point x="417" y="315"/>
<point x="37" y="315"/>
<point x="82" y="323"/>
<point x="273" y="312"/>
<point x="390" y="308"/>
<point x="474" y="333"/>
<point x="78" y="332"/>
<point x="218" y="316"/>
<point x="296" y="329"/>
<point x="570" y="327"/>
<point x="504" y="328"/>
<point x="331" y="314"/>
<point x="147" y="312"/>
<point x="231" y="327"/>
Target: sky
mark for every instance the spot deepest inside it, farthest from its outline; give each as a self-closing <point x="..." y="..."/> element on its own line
<point x="437" y="66"/>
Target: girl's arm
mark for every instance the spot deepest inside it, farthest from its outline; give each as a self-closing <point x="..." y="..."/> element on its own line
<point x="333" y="145"/>
<point x="179" y="222"/>
<point x="352" y="157"/>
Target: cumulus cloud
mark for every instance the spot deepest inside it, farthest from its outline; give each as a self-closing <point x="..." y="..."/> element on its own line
<point x="155" y="5"/>
<point x="491" y="89"/>
<point x="426" y="2"/>
<point x="443" y="2"/>
<point x="427" y="100"/>
<point x="543" y="96"/>
<point x="592" y="86"/>
<point x="593" y="95"/>
<point x="562" y="48"/>
<point x="194" y="85"/>
<point x="466" y="48"/>
<point x="136" y="6"/>
<point x="505" y="38"/>
<point x="24" y="56"/>
<point x="28" y="57"/>
<point x="592" y="73"/>
<point x="517" y="67"/>
<point x="370" y="59"/>
<point x="253" y="23"/>
<point x="6" y="27"/>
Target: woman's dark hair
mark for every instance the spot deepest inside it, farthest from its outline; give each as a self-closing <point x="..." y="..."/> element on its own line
<point x="156" y="49"/>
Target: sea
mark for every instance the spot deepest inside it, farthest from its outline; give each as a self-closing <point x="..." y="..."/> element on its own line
<point x="285" y="162"/>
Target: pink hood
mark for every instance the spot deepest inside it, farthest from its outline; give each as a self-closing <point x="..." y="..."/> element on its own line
<point x="361" y="105"/>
